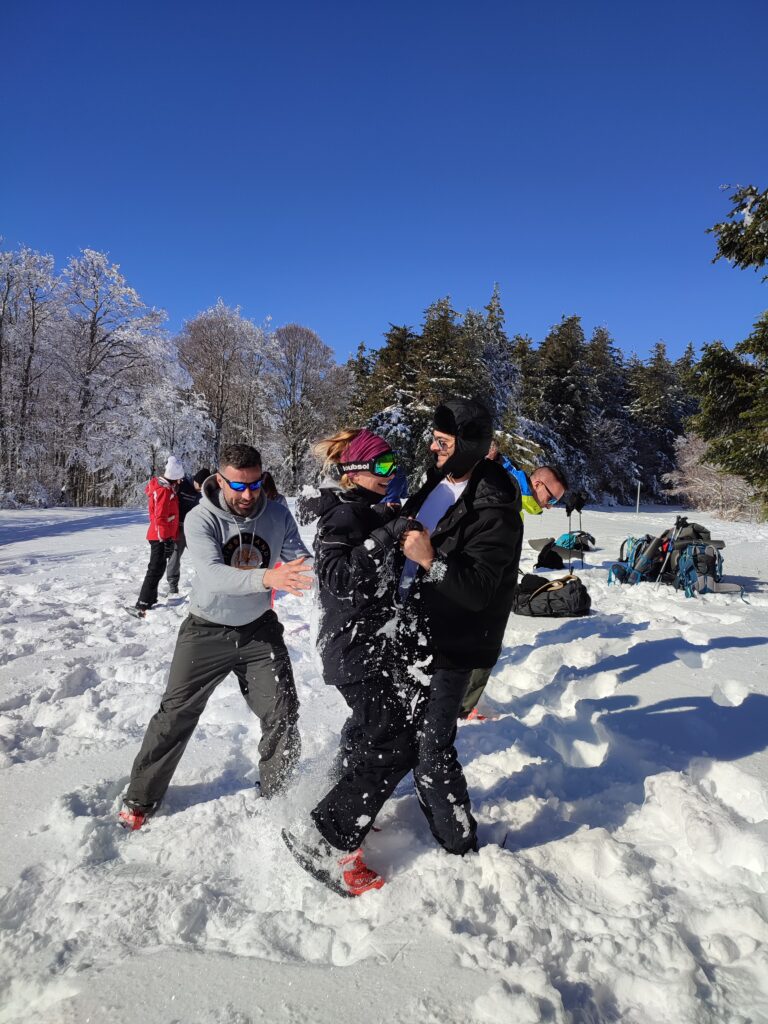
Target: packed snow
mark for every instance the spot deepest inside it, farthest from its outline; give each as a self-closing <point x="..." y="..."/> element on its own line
<point x="620" y="784"/>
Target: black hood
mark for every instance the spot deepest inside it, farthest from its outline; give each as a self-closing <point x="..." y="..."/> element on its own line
<point x="472" y="426"/>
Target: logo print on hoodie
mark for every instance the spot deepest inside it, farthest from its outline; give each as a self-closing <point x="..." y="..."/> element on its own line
<point x="253" y="553"/>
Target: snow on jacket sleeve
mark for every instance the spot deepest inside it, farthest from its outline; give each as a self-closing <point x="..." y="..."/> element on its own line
<point x="163" y="513"/>
<point x="470" y="577"/>
<point x="204" y="547"/>
<point x="348" y="571"/>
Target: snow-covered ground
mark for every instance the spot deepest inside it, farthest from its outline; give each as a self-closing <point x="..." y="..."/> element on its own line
<point x="622" y="795"/>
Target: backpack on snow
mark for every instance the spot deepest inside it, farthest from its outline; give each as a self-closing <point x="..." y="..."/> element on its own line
<point x="578" y="540"/>
<point x="640" y="559"/>
<point x="562" y="598"/>
<point x="699" y="570"/>
<point x="687" y="558"/>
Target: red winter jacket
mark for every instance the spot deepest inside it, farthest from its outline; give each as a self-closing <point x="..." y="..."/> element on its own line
<point x="164" y="523"/>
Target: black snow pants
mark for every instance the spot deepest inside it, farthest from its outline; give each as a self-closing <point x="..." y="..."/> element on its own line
<point x="205" y="654"/>
<point x="159" y="550"/>
<point x="391" y="731"/>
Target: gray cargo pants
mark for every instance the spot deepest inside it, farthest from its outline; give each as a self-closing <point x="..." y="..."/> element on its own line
<point x="206" y="653"/>
<point x="173" y="570"/>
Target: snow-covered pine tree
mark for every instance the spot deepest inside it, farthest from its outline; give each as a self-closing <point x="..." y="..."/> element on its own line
<point x="609" y="449"/>
<point x="502" y="366"/>
<point x="733" y="418"/>
<point x="742" y="238"/>
<point x="563" y="397"/>
<point x="658" y="406"/>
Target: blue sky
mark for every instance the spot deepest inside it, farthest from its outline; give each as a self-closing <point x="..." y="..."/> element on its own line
<point x="345" y="164"/>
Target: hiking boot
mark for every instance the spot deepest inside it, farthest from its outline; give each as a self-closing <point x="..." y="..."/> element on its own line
<point x="173" y="588"/>
<point x="476" y="716"/>
<point x="137" y="611"/>
<point x="133" y="814"/>
<point x="346" y="874"/>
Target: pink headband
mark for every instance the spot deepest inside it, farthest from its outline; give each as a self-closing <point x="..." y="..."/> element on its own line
<point x="363" y="447"/>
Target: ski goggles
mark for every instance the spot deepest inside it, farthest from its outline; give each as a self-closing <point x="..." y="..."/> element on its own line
<point x="383" y="465"/>
<point x="236" y="485"/>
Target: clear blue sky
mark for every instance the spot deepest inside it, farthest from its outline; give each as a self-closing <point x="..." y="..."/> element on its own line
<point x="344" y="164"/>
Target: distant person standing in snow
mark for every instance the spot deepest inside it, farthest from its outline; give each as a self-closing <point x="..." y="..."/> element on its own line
<point x="540" y="491"/>
<point x="357" y="592"/>
<point x="190" y="492"/>
<point x="164" y="528"/>
<point x="234" y="537"/>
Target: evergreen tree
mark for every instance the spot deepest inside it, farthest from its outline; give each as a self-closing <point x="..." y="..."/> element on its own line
<point x="564" y="395"/>
<point x="659" y="406"/>
<point x="502" y="366"/>
<point x="610" y="452"/>
<point x="742" y="238"/>
<point x="733" y="391"/>
<point x="526" y="358"/>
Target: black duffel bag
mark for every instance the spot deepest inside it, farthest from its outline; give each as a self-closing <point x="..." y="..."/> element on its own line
<point x="558" y="599"/>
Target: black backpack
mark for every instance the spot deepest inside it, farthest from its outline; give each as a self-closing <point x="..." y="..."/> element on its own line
<point x="562" y="598"/>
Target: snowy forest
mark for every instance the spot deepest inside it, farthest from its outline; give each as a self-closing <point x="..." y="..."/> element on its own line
<point x="95" y="393"/>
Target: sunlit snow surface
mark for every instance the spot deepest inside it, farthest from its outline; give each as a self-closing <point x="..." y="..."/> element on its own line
<point x="621" y="789"/>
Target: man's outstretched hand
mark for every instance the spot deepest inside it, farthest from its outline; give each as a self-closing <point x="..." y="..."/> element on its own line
<point x="293" y="577"/>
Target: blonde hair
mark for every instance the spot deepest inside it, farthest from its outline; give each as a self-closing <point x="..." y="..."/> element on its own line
<point x="329" y="450"/>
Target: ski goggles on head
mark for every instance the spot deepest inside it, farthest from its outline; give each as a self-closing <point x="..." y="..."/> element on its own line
<point x="383" y="465"/>
<point x="236" y="485"/>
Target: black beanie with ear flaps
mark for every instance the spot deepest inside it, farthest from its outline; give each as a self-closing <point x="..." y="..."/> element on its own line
<point x="472" y="426"/>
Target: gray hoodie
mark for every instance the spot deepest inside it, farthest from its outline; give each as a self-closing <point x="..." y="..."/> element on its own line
<point x="218" y="542"/>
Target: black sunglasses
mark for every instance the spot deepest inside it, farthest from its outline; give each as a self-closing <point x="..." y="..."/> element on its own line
<point x="254" y="485"/>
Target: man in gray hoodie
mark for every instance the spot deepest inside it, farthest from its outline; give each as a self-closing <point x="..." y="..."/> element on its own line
<point x="234" y="538"/>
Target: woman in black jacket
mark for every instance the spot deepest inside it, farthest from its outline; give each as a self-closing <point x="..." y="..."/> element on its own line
<point x="354" y="549"/>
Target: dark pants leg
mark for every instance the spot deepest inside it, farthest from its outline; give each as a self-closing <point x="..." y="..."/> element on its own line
<point x="266" y="681"/>
<point x="478" y="681"/>
<point x="155" y="570"/>
<point x="440" y="782"/>
<point x="173" y="572"/>
<point x="205" y="653"/>
<point x="379" y="750"/>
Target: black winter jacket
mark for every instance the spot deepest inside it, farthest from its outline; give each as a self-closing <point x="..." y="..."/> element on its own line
<point x="189" y="498"/>
<point x="462" y="604"/>
<point x="357" y="590"/>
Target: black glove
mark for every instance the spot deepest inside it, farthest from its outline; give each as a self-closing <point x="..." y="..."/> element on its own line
<point x="392" y="532"/>
<point x="168" y="548"/>
<point x="574" y="501"/>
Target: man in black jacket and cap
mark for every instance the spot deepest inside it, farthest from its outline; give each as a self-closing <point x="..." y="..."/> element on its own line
<point x="457" y="586"/>
<point x="454" y="553"/>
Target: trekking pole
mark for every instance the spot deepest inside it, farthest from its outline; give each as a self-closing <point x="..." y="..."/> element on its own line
<point x="581" y="541"/>
<point x="680" y="522"/>
<point x="570" y="549"/>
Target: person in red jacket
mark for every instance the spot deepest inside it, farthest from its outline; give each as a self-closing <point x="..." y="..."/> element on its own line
<point x="164" y="527"/>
